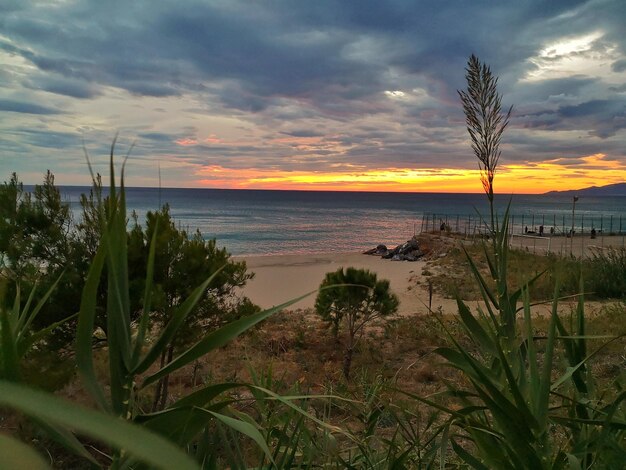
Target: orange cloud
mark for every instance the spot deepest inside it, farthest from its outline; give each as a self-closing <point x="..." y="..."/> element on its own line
<point x="186" y="142"/>
<point x="515" y="178"/>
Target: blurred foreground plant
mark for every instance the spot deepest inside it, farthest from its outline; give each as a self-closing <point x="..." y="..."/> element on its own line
<point x="185" y="429"/>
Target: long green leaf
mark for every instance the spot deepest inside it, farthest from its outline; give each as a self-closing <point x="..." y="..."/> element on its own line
<point x="135" y="440"/>
<point x="28" y="341"/>
<point x="173" y="325"/>
<point x="27" y="317"/>
<point x="467" y="457"/>
<point x="84" y="332"/>
<point x="8" y="360"/>
<point x="487" y="294"/>
<point x="571" y="371"/>
<point x="477" y="332"/>
<point x="65" y="438"/>
<point x="246" y="429"/>
<point x="217" y="339"/>
<point x="147" y="301"/>
<point x="16" y="455"/>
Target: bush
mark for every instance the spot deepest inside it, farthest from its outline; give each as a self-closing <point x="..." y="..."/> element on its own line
<point x="354" y="297"/>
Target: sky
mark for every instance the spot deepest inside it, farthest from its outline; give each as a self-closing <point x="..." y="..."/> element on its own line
<point x="312" y="95"/>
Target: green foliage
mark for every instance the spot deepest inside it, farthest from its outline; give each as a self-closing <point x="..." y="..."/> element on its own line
<point x="16" y="335"/>
<point x="517" y="408"/>
<point x="354" y="297"/>
<point x="606" y="273"/>
<point x="36" y="246"/>
<point x="34" y="228"/>
<point x="183" y="261"/>
<point x="133" y="355"/>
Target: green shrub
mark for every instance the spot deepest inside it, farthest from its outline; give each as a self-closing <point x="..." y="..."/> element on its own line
<point x="354" y="297"/>
<point x="606" y="273"/>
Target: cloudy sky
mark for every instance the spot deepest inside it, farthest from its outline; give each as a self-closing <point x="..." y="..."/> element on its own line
<point x="311" y="94"/>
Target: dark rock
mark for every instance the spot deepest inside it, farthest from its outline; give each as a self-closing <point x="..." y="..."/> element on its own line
<point x="380" y="250"/>
<point x="409" y="251"/>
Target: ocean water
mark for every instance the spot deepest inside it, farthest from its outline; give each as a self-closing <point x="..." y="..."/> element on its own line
<point x="282" y="222"/>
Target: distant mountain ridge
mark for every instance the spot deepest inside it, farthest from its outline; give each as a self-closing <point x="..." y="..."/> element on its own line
<point x="617" y="189"/>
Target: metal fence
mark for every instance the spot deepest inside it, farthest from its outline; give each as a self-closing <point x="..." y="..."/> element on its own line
<point x="556" y="233"/>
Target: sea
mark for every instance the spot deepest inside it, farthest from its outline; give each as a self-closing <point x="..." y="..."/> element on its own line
<point x="269" y="222"/>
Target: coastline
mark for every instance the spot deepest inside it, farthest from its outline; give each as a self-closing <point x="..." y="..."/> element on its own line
<point x="279" y="278"/>
<point x="283" y="277"/>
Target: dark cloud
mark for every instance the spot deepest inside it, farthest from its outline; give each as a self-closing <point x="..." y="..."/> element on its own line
<point x="66" y="87"/>
<point x="619" y="65"/>
<point x="373" y="82"/>
<point x="158" y="136"/>
<point x="25" y="107"/>
<point x="47" y="139"/>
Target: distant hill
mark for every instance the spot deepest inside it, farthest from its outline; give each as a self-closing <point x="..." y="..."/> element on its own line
<point x="617" y="189"/>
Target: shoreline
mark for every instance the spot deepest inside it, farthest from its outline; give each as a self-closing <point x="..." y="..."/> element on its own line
<point x="280" y="278"/>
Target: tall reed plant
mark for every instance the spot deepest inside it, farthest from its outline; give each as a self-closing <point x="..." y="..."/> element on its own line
<point x="518" y="409"/>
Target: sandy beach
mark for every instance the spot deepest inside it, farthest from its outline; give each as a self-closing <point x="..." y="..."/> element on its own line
<point x="279" y="278"/>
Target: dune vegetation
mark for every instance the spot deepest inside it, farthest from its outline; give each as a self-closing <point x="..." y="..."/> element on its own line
<point x="122" y="345"/>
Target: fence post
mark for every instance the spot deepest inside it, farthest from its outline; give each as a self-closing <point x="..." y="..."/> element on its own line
<point x="602" y="230"/>
<point x="582" y="236"/>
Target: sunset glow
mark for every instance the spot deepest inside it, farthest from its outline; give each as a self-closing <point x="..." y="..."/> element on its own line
<point x="515" y="179"/>
<point x="314" y="96"/>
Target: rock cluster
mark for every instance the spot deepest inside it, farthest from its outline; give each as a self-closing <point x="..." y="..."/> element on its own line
<point x="409" y="251"/>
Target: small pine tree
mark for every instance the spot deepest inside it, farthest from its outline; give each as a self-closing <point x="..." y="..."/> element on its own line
<point x="354" y="297"/>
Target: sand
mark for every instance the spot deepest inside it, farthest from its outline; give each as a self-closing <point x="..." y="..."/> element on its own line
<point x="279" y="278"/>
